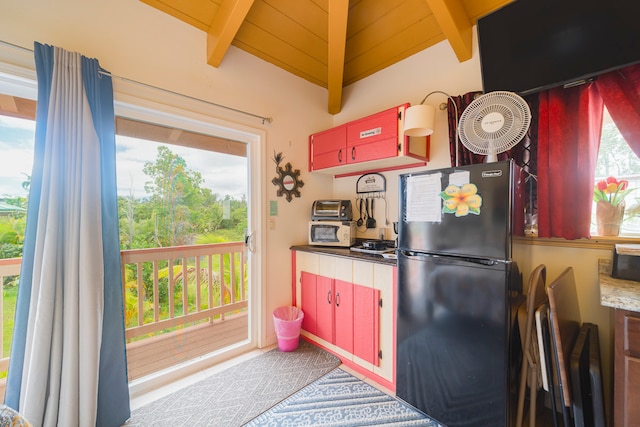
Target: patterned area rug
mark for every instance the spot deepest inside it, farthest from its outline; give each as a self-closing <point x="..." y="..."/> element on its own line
<point x="340" y="399"/>
<point x="238" y="394"/>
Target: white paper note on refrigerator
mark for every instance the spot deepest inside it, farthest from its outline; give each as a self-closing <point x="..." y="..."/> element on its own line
<point x="423" y="198"/>
<point x="459" y="178"/>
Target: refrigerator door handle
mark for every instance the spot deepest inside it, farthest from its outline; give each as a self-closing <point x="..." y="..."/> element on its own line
<point x="420" y="256"/>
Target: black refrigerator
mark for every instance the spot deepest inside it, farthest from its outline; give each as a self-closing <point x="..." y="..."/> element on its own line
<point x="457" y="292"/>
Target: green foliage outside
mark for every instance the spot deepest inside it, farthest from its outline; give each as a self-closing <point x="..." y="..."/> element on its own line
<point x="615" y="158"/>
<point x="12" y="226"/>
<point x="177" y="210"/>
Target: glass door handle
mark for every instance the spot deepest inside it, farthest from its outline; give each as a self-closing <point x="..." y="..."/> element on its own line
<point x="249" y="241"/>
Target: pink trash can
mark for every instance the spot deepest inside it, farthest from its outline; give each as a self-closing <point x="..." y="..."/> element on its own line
<point x="287" y="322"/>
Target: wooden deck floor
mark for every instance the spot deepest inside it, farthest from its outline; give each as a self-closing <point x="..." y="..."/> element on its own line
<point x="154" y="354"/>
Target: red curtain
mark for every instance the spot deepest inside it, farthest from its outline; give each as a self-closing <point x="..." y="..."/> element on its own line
<point x="465" y="157"/>
<point x="620" y="91"/>
<point x="569" y="129"/>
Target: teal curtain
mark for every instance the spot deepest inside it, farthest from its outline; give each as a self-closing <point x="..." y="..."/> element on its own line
<point x="68" y="361"/>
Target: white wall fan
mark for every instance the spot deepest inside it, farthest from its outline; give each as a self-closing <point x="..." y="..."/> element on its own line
<point x="494" y="123"/>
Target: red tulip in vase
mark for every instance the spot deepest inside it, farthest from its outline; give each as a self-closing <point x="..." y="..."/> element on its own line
<point x="609" y="196"/>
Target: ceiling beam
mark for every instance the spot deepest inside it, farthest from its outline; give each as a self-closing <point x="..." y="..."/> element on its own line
<point x="455" y="24"/>
<point x="224" y="27"/>
<point x="337" y="35"/>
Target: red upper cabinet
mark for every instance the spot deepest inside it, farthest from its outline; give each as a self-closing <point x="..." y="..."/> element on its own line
<point x="375" y="142"/>
<point x="328" y="148"/>
<point x="374" y="137"/>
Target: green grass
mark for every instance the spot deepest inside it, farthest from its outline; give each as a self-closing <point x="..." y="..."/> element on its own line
<point x="9" y="296"/>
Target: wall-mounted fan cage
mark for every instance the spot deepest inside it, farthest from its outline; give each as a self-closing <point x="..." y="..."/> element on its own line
<point x="494" y="123"/>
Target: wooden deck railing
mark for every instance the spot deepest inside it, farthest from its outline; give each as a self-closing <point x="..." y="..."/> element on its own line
<point x="8" y="268"/>
<point x="169" y="288"/>
<point x="216" y="278"/>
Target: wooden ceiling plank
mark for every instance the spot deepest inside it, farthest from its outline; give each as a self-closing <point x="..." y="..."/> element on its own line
<point x="281" y="54"/>
<point x="224" y="27"/>
<point x="197" y="13"/>
<point x="478" y="8"/>
<point x="368" y="12"/>
<point x="455" y="25"/>
<point x="411" y="40"/>
<point x="308" y="14"/>
<point x="281" y="26"/>
<point x="395" y="22"/>
<point x="338" y="16"/>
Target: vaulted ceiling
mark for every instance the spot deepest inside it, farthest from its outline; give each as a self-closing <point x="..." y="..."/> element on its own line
<point x="331" y="43"/>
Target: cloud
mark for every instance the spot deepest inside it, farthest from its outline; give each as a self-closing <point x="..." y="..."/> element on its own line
<point x="222" y="173"/>
<point x="16" y="159"/>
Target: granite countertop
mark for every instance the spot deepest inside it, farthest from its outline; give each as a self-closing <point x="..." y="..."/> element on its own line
<point x="617" y="293"/>
<point x="344" y="252"/>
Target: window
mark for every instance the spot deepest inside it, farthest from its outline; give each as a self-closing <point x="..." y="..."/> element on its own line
<point x="616" y="159"/>
<point x="209" y="179"/>
<point x="16" y="146"/>
<point x="175" y="188"/>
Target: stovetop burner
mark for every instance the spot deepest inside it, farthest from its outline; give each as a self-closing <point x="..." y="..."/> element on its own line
<point x="376" y="247"/>
<point x="375" y="244"/>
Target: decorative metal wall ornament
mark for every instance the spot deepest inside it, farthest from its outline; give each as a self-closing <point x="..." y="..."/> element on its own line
<point x="288" y="181"/>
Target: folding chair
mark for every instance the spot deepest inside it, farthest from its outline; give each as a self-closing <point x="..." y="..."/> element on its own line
<point x="530" y="372"/>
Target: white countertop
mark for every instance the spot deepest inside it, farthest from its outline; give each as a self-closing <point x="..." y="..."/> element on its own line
<point x="617" y="293"/>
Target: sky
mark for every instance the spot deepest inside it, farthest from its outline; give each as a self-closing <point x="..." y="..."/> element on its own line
<point x="223" y="174"/>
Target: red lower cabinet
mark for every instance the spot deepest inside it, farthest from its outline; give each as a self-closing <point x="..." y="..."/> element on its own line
<point x="366" y="321"/>
<point x="325" y="308"/>
<point x="343" y="314"/>
<point x="308" y="290"/>
<point x="343" y="318"/>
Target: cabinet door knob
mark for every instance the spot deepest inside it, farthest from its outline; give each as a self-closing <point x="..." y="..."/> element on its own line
<point x="340" y="156"/>
<point x="329" y="297"/>
<point x="338" y="299"/>
<point x="353" y="153"/>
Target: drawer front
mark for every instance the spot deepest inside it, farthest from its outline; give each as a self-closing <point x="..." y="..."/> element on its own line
<point x="329" y="140"/>
<point x="330" y="159"/>
<point x="632" y="391"/>
<point x="377" y="127"/>
<point x="381" y="149"/>
<point x="632" y="335"/>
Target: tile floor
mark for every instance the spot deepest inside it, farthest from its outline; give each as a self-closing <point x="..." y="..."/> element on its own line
<point x="162" y="391"/>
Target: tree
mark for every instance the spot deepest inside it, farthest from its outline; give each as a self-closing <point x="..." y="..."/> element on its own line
<point x="174" y="189"/>
<point x="615" y="157"/>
